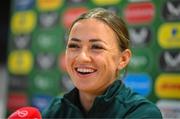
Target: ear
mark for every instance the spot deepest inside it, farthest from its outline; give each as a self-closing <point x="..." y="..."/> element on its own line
<point x="124" y="59"/>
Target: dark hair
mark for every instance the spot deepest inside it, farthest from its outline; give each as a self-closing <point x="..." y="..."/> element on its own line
<point x="112" y="20"/>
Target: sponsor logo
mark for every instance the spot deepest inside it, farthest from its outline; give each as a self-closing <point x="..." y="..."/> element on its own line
<point x="24" y="4"/>
<point x="41" y="101"/>
<point x="49" y="5"/>
<point x="42" y="82"/>
<point x="48" y="19"/>
<point x="140" y="61"/>
<point x="171" y="10"/>
<point x="22" y="113"/>
<point x="170" y="109"/>
<point x="140" y="36"/>
<point x="168" y="86"/>
<point x="139" y="82"/>
<point x="22" y="41"/>
<point x="106" y="2"/>
<point x="45" y="81"/>
<point x="16" y="100"/>
<point x="18" y="82"/>
<point x="71" y="14"/>
<point x="76" y="1"/>
<point x="45" y="61"/>
<point x="170" y="61"/>
<point x="47" y="41"/>
<point x="23" y="22"/>
<point x="20" y="62"/>
<point x="138" y="0"/>
<point x="169" y="35"/>
<point x="139" y="13"/>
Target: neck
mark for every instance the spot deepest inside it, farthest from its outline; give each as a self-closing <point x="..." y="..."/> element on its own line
<point x="87" y="100"/>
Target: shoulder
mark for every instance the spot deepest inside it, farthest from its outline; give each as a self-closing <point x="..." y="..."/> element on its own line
<point x="52" y="108"/>
<point x="144" y="109"/>
<point x="137" y="106"/>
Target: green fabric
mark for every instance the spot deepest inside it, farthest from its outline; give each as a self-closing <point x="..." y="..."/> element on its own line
<point x="118" y="101"/>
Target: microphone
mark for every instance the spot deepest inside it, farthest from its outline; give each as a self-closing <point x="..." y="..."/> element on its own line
<point x="26" y="113"/>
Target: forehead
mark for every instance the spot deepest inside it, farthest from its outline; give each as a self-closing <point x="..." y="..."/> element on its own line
<point x="92" y="29"/>
<point x="91" y="23"/>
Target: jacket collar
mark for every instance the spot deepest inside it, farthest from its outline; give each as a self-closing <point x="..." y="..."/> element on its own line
<point x="112" y="91"/>
<point x="109" y="94"/>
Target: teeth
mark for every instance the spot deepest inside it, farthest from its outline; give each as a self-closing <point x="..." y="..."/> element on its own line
<point x="85" y="70"/>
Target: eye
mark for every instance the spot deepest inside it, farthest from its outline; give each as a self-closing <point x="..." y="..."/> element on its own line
<point x="95" y="46"/>
<point x="73" y="45"/>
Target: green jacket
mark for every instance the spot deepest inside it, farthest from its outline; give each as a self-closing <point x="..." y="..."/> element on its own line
<point x="118" y="101"/>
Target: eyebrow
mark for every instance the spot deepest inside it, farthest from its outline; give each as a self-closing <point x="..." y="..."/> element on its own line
<point x="91" y="40"/>
<point x="75" y="39"/>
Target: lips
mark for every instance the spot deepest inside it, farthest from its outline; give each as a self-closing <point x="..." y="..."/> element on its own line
<point x="85" y="71"/>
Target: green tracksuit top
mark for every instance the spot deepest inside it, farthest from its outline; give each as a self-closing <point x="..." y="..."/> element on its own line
<point x="118" y="101"/>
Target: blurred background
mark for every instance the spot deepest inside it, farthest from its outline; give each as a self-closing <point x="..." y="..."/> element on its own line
<point x="33" y="38"/>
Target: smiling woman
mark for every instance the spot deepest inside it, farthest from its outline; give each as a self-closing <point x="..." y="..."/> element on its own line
<point x="97" y="49"/>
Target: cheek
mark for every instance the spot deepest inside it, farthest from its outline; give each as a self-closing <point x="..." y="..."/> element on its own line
<point x="112" y="63"/>
<point x="107" y="62"/>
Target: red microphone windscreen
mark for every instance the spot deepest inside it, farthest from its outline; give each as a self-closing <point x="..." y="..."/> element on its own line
<point x="26" y="113"/>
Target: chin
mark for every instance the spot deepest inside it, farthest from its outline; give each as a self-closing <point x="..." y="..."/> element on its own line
<point x="85" y="87"/>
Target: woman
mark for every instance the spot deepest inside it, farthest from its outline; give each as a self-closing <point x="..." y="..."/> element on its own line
<point x="97" y="49"/>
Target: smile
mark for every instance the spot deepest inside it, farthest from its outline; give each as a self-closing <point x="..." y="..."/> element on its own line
<point x="85" y="70"/>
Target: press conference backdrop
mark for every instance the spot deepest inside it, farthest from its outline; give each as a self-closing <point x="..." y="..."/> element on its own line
<point x="38" y="34"/>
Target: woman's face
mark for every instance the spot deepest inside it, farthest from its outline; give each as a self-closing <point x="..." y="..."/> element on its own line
<point x="92" y="55"/>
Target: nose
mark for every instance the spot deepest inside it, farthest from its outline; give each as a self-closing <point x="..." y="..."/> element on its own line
<point x="84" y="56"/>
